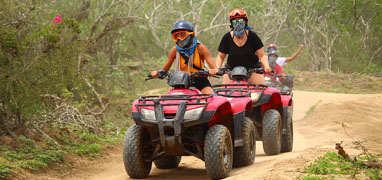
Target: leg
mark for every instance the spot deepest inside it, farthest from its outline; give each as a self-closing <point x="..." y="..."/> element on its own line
<point x="256" y="78"/>
<point x="208" y="90"/>
<point x="204" y="85"/>
<point x="226" y="79"/>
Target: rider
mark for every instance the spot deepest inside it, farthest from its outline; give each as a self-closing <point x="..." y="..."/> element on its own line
<point x="284" y="60"/>
<point x="272" y="57"/>
<point x="189" y="55"/>
<point x="243" y="46"/>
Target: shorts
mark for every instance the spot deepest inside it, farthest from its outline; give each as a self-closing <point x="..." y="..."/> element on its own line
<point x="201" y="83"/>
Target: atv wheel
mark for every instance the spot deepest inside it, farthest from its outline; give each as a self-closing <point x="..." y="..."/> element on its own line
<point x="167" y="162"/>
<point x="136" y="156"/>
<point x="287" y="141"/>
<point x="218" y="152"/>
<point x="272" y="132"/>
<point x="245" y="155"/>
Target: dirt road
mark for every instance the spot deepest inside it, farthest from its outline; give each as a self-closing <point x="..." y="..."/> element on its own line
<point x="315" y="133"/>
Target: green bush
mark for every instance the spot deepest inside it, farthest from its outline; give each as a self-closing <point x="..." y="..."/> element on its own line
<point x="332" y="164"/>
<point x="5" y="170"/>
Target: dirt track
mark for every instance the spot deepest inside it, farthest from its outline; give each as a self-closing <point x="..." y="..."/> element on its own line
<point x="315" y="134"/>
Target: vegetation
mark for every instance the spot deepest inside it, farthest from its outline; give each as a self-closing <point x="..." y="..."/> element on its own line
<point x="333" y="166"/>
<point x="311" y="109"/>
<point x="38" y="153"/>
<point x="354" y="83"/>
<point x="80" y="75"/>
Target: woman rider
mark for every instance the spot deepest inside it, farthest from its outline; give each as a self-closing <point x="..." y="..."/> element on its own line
<point x="189" y="55"/>
<point x="243" y="46"/>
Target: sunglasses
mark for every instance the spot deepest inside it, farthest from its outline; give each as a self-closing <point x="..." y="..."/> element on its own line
<point x="240" y="21"/>
<point x="236" y="12"/>
<point x="181" y="35"/>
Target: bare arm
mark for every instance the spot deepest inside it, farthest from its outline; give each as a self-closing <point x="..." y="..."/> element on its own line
<point x="220" y="59"/>
<point x="170" y="60"/>
<point x="207" y="56"/>
<point x="288" y="59"/>
<point x="264" y="60"/>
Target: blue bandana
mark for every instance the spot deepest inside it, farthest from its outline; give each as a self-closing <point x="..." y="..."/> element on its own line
<point x="188" y="51"/>
<point x="248" y="27"/>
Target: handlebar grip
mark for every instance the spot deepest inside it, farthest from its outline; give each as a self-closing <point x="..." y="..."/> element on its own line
<point x="220" y="73"/>
<point x="149" y="75"/>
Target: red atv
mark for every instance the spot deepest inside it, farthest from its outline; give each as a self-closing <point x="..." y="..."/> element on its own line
<point x="182" y="122"/>
<point x="270" y="111"/>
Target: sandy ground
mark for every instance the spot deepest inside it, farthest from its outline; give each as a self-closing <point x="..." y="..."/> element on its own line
<point x="336" y="118"/>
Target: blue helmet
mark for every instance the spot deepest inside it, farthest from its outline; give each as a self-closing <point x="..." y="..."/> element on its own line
<point x="182" y="25"/>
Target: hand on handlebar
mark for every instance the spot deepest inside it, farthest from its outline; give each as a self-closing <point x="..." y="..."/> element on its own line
<point x="212" y="71"/>
<point x="268" y="70"/>
<point x="161" y="74"/>
<point x="154" y="73"/>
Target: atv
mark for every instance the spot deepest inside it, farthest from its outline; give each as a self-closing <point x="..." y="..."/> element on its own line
<point x="270" y="111"/>
<point x="182" y="122"/>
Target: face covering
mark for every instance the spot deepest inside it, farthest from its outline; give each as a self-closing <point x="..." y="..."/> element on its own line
<point x="272" y="62"/>
<point x="186" y="43"/>
<point x="238" y="29"/>
<point x="187" y="46"/>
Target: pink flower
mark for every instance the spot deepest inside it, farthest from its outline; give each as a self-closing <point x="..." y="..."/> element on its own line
<point x="57" y="19"/>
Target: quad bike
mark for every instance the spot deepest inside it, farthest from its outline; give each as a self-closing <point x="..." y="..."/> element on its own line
<point x="270" y="111"/>
<point x="182" y="122"/>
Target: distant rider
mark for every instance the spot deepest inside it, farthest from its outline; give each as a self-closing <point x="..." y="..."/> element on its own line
<point x="277" y="70"/>
<point x="284" y="60"/>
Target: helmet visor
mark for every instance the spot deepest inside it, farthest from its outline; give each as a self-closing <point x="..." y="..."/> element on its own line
<point x="237" y="13"/>
<point x="181" y="35"/>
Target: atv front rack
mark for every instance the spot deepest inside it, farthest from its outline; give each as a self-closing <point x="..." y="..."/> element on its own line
<point x="172" y="143"/>
<point x="238" y="88"/>
<point x="199" y="98"/>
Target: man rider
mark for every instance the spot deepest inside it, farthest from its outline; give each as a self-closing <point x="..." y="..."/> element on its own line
<point x="284" y="60"/>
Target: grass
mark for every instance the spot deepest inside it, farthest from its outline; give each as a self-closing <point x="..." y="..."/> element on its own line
<point x="333" y="166"/>
<point x="337" y="82"/>
<point x="311" y="109"/>
<point x="33" y="155"/>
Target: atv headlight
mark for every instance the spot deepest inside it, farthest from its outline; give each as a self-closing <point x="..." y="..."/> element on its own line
<point x="255" y="96"/>
<point x="147" y="114"/>
<point x="193" y="114"/>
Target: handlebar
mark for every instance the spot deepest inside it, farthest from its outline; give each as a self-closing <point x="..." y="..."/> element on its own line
<point x="256" y="70"/>
<point x="161" y="75"/>
<point x="223" y="71"/>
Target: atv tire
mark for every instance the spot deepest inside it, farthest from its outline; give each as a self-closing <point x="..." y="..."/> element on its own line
<point x="167" y="162"/>
<point x="287" y="139"/>
<point x="245" y="155"/>
<point x="135" y="157"/>
<point x="272" y="132"/>
<point x="218" y="152"/>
